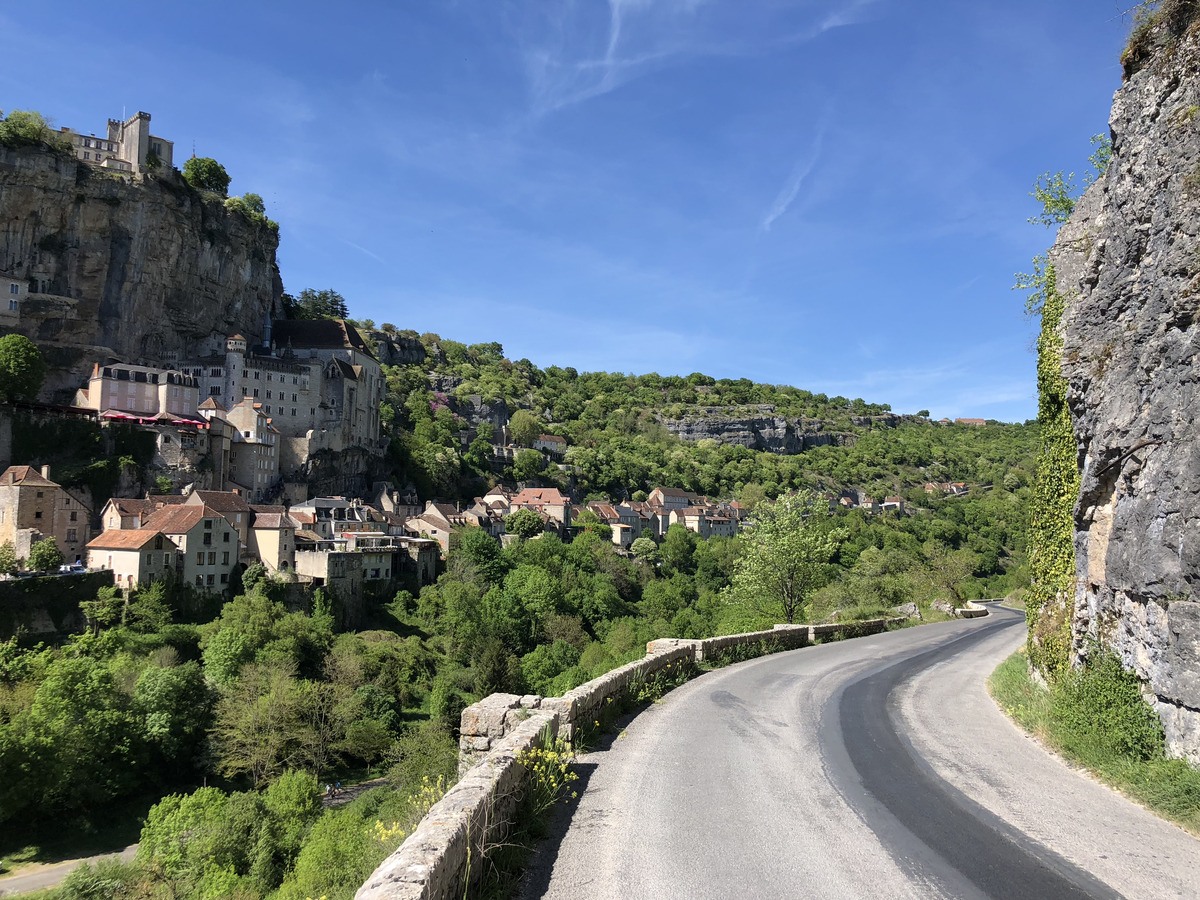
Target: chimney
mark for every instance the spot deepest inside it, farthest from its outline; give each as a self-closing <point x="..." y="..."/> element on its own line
<point x="46" y="472"/>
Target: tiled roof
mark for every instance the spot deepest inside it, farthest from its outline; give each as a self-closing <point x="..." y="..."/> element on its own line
<point x="210" y="403"/>
<point x="319" y="334"/>
<point x="116" y="539"/>
<point x="25" y="475"/>
<point x="274" y="521"/>
<point x="131" y="506"/>
<point x="539" y="495"/>
<point x="221" y="501"/>
<point x="179" y="519"/>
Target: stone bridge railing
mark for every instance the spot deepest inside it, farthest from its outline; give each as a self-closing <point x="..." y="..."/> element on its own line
<point x="444" y="857"/>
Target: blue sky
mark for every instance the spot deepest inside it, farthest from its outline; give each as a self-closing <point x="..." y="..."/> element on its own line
<point x="826" y="194"/>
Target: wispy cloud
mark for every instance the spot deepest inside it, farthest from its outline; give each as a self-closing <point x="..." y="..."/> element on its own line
<point x="570" y="57"/>
<point x="791" y="187"/>
<point x="361" y="249"/>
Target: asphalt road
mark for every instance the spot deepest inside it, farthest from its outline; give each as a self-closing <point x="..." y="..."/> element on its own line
<point x="873" y="768"/>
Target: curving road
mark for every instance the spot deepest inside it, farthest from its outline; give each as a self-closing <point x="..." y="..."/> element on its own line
<point x="873" y="768"/>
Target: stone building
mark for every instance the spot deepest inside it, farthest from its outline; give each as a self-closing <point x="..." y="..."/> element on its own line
<point x="126" y="146"/>
<point x="139" y="392"/>
<point x="208" y="544"/>
<point x="136" y="557"/>
<point x="32" y="508"/>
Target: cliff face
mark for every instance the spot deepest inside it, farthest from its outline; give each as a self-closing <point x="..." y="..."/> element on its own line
<point x="764" y="429"/>
<point x="140" y="269"/>
<point x="1128" y="268"/>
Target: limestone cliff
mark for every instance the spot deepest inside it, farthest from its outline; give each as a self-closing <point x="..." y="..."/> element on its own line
<point x="1128" y="269"/>
<point x="764" y="428"/>
<point x="140" y="268"/>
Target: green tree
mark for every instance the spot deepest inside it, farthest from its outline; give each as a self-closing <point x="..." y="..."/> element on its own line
<point x="256" y="723"/>
<point x="8" y="558"/>
<point x="785" y="555"/>
<point x="206" y="174"/>
<point x="44" y="555"/>
<point x="527" y="465"/>
<point x="645" y="549"/>
<point x="22" y="367"/>
<point x="326" y="304"/>
<point x="525" y="523"/>
<point x="524" y="428"/>
<point x="24" y="128"/>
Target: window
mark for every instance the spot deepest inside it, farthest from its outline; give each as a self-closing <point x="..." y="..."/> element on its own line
<point x="199" y="581"/>
<point x="268" y="395"/>
<point x="87" y="155"/>
<point x="200" y="558"/>
<point x="212" y="559"/>
<point x="268" y="379"/>
<point x="12" y="305"/>
<point x="256" y="392"/>
<point x="39" y="493"/>
<point x="257" y="375"/>
<point x="166" y="559"/>
<point x="245" y="434"/>
<point x="293" y="411"/>
<point x="225" y="537"/>
<point x="149" y="559"/>
<point x="71" y="538"/>
<point x="293" y="400"/>
<point x="74" y="516"/>
<point x="38" y="514"/>
<point x="224" y="578"/>
<point x="214" y="392"/>
<point x="14" y="289"/>
<point x="87" y="142"/>
<point x="225" y="558"/>
<point x="211" y="579"/>
<point x="208" y="540"/>
<point x="295" y="380"/>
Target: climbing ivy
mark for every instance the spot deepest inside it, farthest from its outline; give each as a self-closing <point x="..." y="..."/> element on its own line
<point x="1050" y="604"/>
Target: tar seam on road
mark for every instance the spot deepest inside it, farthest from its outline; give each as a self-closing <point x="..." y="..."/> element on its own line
<point x="938" y="833"/>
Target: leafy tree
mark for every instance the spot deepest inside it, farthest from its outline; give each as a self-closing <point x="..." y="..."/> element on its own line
<point x="326" y="304"/>
<point x="22" y="367"/>
<point x="24" y="128"/>
<point x="253" y="208"/>
<point x="645" y="549"/>
<point x="8" y="558"/>
<point x="256" y="723"/>
<point x="206" y="174"/>
<point x="946" y="572"/>
<point x="525" y="523"/>
<point x="527" y="465"/>
<point x="524" y="428"/>
<point x="44" y="555"/>
<point x="784" y="555"/>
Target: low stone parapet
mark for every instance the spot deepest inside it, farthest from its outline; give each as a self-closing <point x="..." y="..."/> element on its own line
<point x="445" y="855"/>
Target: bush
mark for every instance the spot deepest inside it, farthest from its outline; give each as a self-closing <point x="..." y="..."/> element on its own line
<point x="1100" y="708"/>
<point x="206" y="174"/>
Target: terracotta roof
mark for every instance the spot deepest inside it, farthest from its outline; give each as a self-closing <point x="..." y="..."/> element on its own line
<point x="236" y="337"/>
<point x="179" y="519"/>
<point x="117" y="539"/>
<point x="539" y="495"/>
<point x="25" y="475"/>
<point x="131" y="506"/>
<point x="320" y="334"/>
<point x="210" y="403"/>
<point x="274" y="521"/>
<point x="221" y="501"/>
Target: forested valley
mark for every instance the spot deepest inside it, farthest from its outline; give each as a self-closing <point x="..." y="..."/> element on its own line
<point x="222" y="733"/>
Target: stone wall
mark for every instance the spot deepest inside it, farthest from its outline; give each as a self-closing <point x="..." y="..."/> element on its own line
<point x="443" y="857"/>
<point x="47" y="608"/>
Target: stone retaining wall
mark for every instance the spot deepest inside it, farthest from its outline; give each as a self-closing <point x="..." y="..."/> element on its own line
<point x="445" y="855"/>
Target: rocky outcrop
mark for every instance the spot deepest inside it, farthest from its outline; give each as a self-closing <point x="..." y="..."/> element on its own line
<point x="760" y="429"/>
<point x="1128" y="267"/>
<point x="395" y="349"/>
<point x="139" y="268"/>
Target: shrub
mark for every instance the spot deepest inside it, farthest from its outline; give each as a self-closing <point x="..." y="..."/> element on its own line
<point x="205" y="173"/>
<point x="1100" y="708"/>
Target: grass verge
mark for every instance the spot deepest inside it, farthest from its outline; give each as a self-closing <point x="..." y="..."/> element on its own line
<point x="1096" y="719"/>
